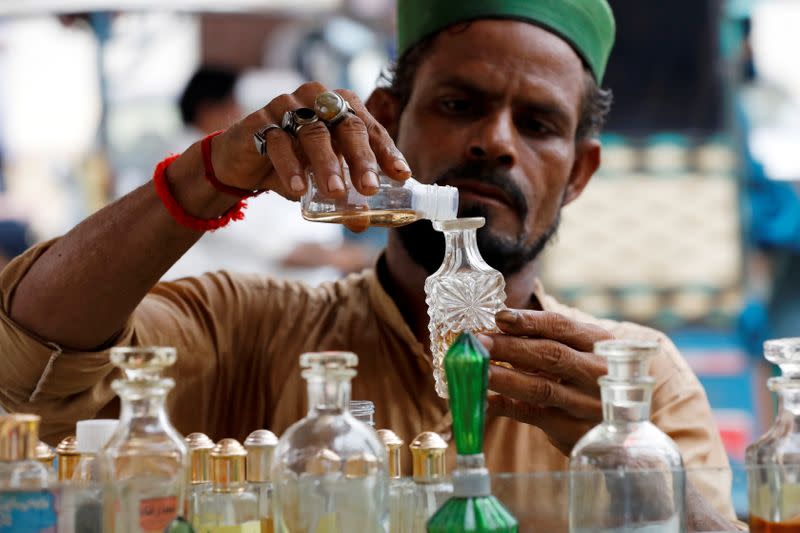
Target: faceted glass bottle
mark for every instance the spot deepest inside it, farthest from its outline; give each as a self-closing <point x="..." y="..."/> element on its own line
<point x="463" y="295"/>
<point x="432" y="487"/>
<point x="146" y="460"/>
<point x="627" y="475"/>
<point x="329" y="469"/>
<point x="395" y="203"/>
<point x="260" y="446"/>
<point x="472" y="508"/>
<point x="401" y="491"/>
<point x="229" y="506"/>
<point x="25" y="502"/>
<point x="773" y="461"/>
<point x="200" y="447"/>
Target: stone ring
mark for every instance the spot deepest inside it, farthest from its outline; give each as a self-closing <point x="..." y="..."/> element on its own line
<point x="331" y="107"/>
<point x="260" y="137"/>
<point x="293" y="121"/>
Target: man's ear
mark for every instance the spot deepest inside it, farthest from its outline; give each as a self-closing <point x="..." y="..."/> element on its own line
<point x="385" y="107"/>
<point x="587" y="161"/>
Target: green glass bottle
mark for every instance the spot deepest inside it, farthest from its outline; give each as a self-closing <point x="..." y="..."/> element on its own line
<point x="472" y="507"/>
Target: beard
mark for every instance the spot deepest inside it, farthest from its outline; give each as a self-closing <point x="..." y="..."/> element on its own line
<point x="506" y="254"/>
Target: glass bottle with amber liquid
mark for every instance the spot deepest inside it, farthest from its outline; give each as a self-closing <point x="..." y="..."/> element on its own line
<point x="773" y="461"/>
<point x="463" y="295"/>
<point x="229" y="506"/>
<point x="146" y="461"/>
<point x="200" y="447"/>
<point x="260" y="446"/>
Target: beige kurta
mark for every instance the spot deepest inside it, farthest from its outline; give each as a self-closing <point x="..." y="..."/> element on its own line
<point x="239" y="337"/>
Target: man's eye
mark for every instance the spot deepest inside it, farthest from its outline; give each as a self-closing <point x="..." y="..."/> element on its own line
<point x="455" y="106"/>
<point x="536" y="127"/>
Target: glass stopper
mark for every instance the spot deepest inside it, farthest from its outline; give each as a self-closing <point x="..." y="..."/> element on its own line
<point x="467" y="367"/>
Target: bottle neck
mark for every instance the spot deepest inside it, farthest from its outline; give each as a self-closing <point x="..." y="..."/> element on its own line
<point x="331" y="395"/>
<point x="142" y="400"/>
<point x="788" y="393"/>
<point x="626" y="402"/>
<point x="461" y="250"/>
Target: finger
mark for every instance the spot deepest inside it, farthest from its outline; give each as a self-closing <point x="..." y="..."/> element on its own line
<point x="554" y="326"/>
<point x="288" y="167"/>
<point x="544" y="355"/>
<point x="545" y="392"/>
<point x="352" y="141"/>
<point x="316" y="144"/>
<point x="386" y="153"/>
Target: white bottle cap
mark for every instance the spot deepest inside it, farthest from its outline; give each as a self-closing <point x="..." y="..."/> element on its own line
<point x="92" y="435"/>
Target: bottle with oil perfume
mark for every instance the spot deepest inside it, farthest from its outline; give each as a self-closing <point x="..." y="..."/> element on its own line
<point x="229" y="506"/>
<point x="472" y="507"/>
<point x="260" y="446"/>
<point x="200" y="447"/>
<point x="146" y="461"/>
<point x="26" y="504"/>
<point x="46" y="455"/>
<point x="430" y="476"/>
<point x="463" y="295"/>
<point x="401" y="491"/>
<point x="68" y="457"/>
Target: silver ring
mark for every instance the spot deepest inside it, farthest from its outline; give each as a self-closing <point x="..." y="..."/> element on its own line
<point x="260" y="137"/>
<point x="293" y="121"/>
<point x="331" y="107"/>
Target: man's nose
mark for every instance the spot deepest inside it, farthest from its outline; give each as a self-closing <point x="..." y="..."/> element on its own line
<point x="493" y="140"/>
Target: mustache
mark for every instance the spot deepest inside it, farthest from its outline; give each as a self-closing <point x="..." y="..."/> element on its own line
<point x="488" y="175"/>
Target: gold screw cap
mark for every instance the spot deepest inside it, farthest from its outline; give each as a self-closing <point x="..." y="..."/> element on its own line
<point x="68" y="457"/>
<point x="393" y="445"/>
<point x="260" y="446"/>
<point x="200" y="447"/>
<point x="428" y="457"/>
<point x="228" y="466"/>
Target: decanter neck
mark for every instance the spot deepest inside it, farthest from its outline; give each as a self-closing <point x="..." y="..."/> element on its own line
<point x="626" y="401"/>
<point x="140" y="399"/>
<point x="788" y="393"/>
<point x="329" y="394"/>
<point x="461" y="250"/>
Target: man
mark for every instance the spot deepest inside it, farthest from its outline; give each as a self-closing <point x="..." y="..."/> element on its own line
<point x="497" y="97"/>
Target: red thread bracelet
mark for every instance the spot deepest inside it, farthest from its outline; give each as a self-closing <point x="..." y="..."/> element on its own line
<point x="179" y="214"/>
<point x="211" y="176"/>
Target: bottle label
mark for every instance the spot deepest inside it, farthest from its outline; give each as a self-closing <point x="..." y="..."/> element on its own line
<point x="155" y="514"/>
<point x="27" y="511"/>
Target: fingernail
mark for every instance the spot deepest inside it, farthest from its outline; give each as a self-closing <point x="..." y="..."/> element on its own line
<point x="507" y="315"/>
<point x="369" y="179"/>
<point x="487" y="341"/>
<point x="296" y="183"/>
<point x="335" y="183"/>
<point x="401" y="166"/>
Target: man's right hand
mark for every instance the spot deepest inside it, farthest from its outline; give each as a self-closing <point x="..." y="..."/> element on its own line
<point x="363" y="143"/>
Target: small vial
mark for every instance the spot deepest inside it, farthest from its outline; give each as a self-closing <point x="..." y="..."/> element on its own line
<point x="401" y="491"/>
<point x="396" y="203"/>
<point x="430" y="476"/>
<point x="68" y="457"/>
<point x="200" y="447"/>
<point x="90" y="437"/>
<point x="46" y="456"/>
<point x="260" y="446"/>
<point x="229" y="503"/>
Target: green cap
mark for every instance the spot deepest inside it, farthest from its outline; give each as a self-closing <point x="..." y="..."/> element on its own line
<point x="587" y="25"/>
<point x="467" y="367"/>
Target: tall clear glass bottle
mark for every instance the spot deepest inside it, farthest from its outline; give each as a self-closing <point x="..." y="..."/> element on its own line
<point x="200" y="447"/>
<point x="260" y="446"/>
<point x="773" y="461"/>
<point x="25" y="503"/>
<point x="329" y="469"/>
<point x="146" y="460"/>
<point x="68" y="457"/>
<point x="627" y="475"/>
<point x="472" y="508"/>
<point x="401" y="491"/>
<point x="463" y="295"/>
<point x="229" y="506"/>
<point x="430" y="476"/>
<point x="394" y="204"/>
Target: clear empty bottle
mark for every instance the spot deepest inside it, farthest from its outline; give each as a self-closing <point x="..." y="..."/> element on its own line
<point x="146" y="460"/>
<point x="200" y="447"/>
<point x="472" y="507"/>
<point x="229" y="505"/>
<point x="394" y="204"/>
<point x="627" y="475"/>
<point x="401" y="491"/>
<point x="25" y="503"/>
<point x="329" y="469"/>
<point x="773" y="461"/>
<point x="433" y="488"/>
<point x="260" y="446"/>
<point x="463" y="295"/>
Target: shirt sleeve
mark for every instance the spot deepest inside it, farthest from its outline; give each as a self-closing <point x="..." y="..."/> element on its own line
<point x="215" y="321"/>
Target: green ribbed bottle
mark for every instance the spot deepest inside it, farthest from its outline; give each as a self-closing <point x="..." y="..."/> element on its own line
<point x="472" y="507"/>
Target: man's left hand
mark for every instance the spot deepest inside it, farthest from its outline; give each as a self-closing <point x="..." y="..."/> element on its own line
<point x="553" y="383"/>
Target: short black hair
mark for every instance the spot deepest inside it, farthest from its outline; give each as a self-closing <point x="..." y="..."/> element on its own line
<point x="398" y="79"/>
<point x="207" y="85"/>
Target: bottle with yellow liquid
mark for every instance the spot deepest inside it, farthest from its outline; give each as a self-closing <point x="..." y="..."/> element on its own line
<point x="396" y="203"/>
<point x="200" y="447"/>
<point x="401" y="491"/>
<point x="463" y="295"/>
<point x="260" y="446"/>
<point x="229" y="507"/>
<point x="68" y="457"/>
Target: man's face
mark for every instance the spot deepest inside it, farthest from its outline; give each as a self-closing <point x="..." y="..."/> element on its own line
<point x="493" y="111"/>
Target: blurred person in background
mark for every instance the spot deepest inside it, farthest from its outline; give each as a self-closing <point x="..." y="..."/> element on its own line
<point x="499" y="98"/>
<point x="208" y="104"/>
